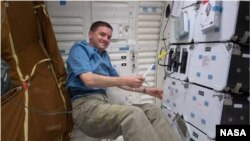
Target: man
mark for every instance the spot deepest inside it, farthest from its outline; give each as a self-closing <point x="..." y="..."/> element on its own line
<point x="90" y="72"/>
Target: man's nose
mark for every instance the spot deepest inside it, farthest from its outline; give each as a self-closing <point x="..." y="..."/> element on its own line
<point x="105" y="38"/>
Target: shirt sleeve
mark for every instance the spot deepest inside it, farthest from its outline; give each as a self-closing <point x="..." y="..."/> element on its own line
<point x="78" y="60"/>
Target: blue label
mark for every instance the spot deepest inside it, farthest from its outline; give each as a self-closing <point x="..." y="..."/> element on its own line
<point x="145" y="9"/>
<point x="217" y="8"/>
<point x="210" y="77"/>
<point x="62" y="51"/>
<point x="124" y="48"/>
<point x="213" y="57"/>
<point x="154" y="9"/>
<point x="62" y="2"/>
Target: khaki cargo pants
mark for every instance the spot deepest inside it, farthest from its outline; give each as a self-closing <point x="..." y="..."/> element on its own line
<point x="96" y="117"/>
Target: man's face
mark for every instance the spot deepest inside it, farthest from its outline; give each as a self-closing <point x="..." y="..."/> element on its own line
<point x="100" y="38"/>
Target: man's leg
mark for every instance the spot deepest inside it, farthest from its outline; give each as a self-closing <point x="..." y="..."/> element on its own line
<point x="97" y="118"/>
<point x="159" y="122"/>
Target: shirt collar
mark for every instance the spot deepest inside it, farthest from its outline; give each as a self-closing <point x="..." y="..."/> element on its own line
<point x="97" y="50"/>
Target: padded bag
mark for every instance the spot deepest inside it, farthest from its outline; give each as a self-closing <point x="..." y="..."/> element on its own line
<point x="37" y="107"/>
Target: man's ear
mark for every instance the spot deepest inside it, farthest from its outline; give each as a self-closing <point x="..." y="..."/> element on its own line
<point x="90" y="34"/>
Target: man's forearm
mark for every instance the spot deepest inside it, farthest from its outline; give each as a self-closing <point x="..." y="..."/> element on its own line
<point x="95" y="80"/>
<point x="139" y="90"/>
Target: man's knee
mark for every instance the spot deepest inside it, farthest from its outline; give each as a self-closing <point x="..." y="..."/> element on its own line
<point x="153" y="112"/>
<point x="136" y="111"/>
<point x="151" y="108"/>
<point x="136" y="116"/>
<point x="154" y="107"/>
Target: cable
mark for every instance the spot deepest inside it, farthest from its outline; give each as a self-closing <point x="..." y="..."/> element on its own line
<point x="196" y="4"/>
<point x="40" y="111"/>
<point x="167" y="13"/>
<point x="164" y="59"/>
<point x="9" y="99"/>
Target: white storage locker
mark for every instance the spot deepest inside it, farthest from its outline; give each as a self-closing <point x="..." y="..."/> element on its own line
<point x="209" y="64"/>
<point x="174" y="95"/>
<point x="216" y="21"/>
<point x="182" y="27"/>
<point x="178" y="125"/>
<point x="178" y="59"/>
<point x="169" y="114"/>
<point x="203" y="109"/>
<point x="171" y="118"/>
<point x="196" y="134"/>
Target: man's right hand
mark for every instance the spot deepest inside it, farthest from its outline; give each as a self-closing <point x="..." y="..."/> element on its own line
<point x="133" y="81"/>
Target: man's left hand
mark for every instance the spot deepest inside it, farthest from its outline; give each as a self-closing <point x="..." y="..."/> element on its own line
<point x="155" y="92"/>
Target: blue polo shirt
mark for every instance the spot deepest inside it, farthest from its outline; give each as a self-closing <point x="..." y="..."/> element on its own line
<point x="84" y="58"/>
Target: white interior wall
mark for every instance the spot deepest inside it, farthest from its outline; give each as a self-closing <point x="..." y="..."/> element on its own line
<point x="163" y="43"/>
<point x="148" y="25"/>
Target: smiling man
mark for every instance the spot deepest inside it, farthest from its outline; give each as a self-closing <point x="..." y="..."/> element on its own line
<point x="90" y="72"/>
